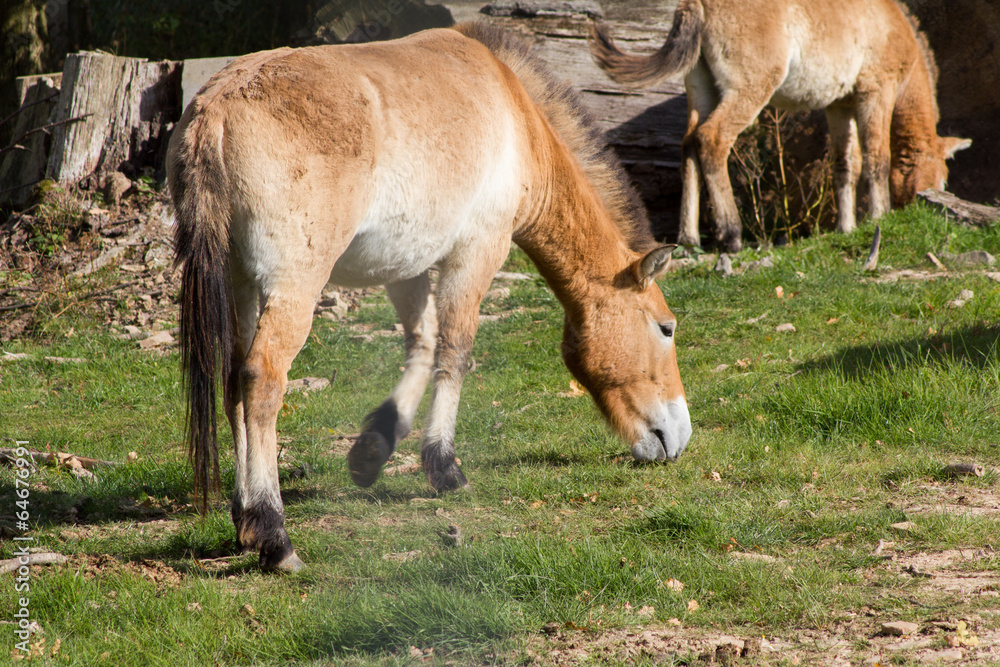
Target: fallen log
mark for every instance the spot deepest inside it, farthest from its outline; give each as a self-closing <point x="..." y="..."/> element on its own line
<point x="963" y="212"/>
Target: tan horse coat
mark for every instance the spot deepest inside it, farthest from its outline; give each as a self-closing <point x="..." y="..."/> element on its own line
<point x="370" y="164"/>
<point x="860" y="60"/>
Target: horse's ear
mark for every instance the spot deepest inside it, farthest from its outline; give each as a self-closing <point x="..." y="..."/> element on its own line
<point x="653" y="265"/>
<point x="951" y="145"/>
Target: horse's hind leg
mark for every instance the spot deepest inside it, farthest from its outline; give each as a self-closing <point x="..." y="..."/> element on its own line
<point x="846" y="168"/>
<point x="281" y="331"/>
<point x="390" y="422"/>
<point x="702" y="98"/>
<point x="244" y="308"/>
<point x="874" y="124"/>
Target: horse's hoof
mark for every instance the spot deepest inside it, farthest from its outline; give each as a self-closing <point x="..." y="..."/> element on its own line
<point x="448" y="478"/>
<point x="688" y="242"/>
<point x="366" y="457"/>
<point x="288" y="565"/>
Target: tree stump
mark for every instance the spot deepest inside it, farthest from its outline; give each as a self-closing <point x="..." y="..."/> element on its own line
<point x="130" y="105"/>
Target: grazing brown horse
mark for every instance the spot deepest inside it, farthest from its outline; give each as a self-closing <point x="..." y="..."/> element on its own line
<point x="369" y="164"/>
<point x="863" y="61"/>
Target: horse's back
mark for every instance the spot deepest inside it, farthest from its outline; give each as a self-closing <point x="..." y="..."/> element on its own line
<point x="385" y="155"/>
<point x="814" y="52"/>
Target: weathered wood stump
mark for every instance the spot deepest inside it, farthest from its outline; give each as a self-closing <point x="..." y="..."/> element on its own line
<point x="130" y="105"/>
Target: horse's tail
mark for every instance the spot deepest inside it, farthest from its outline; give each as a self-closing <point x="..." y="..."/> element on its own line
<point x="677" y="55"/>
<point x="197" y="177"/>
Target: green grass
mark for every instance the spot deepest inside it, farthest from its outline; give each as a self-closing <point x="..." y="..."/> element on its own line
<point x="818" y="440"/>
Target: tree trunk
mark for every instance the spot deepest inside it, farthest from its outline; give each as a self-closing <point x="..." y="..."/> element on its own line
<point x="23" y="51"/>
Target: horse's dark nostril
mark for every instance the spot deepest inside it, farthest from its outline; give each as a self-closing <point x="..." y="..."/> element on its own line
<point x="661" y="436"/>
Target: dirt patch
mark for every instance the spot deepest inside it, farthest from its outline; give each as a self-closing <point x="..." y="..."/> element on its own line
<point x="960" y="499"/>
<point x="941" y="581"/>
<point x="99" y="566"/>
<point x="852" y="642"/>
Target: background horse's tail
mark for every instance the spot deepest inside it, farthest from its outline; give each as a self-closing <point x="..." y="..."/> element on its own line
<point x="677" y="55"/>
<point x="196" y="173"/>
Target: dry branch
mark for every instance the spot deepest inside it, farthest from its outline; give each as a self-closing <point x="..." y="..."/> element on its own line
<point x="58" y="459"/>
<point x="12" y="564"/>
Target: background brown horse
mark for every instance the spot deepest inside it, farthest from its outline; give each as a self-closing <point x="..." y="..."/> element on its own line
<point x="369" y="164"/>
<point x="861" y="60"/>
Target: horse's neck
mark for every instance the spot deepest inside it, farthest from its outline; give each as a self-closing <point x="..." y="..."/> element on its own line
<point x="571" y="237"/>
<point x="914" y="119"/>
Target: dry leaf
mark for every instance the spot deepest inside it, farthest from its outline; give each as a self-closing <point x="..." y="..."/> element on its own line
<point x="646" y="610"/>
<point x="833" y="320"/>
<point x="575" y="390"/>
<point x="693" y="605"/>
<point x="716" y="477"/>
<point x="743" y="363"/>
<point x="779" y="292"/>
<point x="674" y="585"/>
<point x="674" y="622"/>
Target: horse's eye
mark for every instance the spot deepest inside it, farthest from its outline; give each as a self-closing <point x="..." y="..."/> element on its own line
<point x="668" y="329"/>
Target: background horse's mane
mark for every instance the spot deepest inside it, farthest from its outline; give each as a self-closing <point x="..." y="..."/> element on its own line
<point x="925" y="51"/>
<point x="577" y="127"/>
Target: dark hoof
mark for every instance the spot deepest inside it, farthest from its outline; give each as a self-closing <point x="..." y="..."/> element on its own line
<point x="444" y="475"/>
<point x="366" y="457"/>
<point x="734" y="245"/>
<point x="291" y="563"/>
<point x="278" y="555"/>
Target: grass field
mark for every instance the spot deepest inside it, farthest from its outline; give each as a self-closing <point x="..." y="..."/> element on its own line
<point x="777" y="522"/>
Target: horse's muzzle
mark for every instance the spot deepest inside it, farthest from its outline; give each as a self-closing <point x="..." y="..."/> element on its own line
<point x="666" y="435"/>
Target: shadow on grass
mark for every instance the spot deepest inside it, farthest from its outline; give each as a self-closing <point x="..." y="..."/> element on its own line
<point x="975" y="345"/>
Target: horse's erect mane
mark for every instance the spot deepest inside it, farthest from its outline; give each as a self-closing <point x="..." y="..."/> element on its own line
<point x="577" y="127"/>
<point x="925" y="51"/>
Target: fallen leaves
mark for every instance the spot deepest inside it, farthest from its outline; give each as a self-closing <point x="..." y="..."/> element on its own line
<point x="962" y="637"/>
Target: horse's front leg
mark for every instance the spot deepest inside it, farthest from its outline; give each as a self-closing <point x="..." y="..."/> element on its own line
<point x="389" y="423"/>
<point x="462" y="283"/>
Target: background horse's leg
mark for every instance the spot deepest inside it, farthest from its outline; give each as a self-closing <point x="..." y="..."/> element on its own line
<point x="702" y="99"/>
<point x="462" y="282"/>
<point x="244" y="307"/>
<point x="282" y="329"/>
<point x="391" y="421"/>
<point x="874" y="124"/>
<point x="846" y="154"/>
<point x="716" y="136"/>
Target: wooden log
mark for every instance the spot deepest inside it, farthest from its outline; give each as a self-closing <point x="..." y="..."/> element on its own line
<point x="964" y="212"/>
<point x="132" y="104"/>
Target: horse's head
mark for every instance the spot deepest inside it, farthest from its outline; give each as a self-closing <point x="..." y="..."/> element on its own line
<point x="923" y="170"/>
<point x="620" y="346"/>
